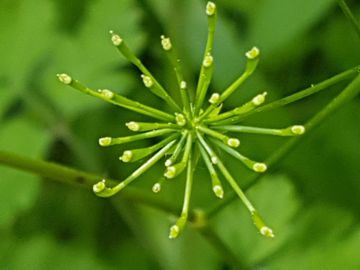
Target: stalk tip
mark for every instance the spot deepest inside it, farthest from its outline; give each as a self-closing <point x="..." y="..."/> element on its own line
<point x="253" y="53"/>
<point x="174" y="231"/>
<point x="115" y="39"/>
<point x="166" y="43"/>
<point x="105" y="141"/>
<point x="298" y="129"/>
<point x="156" y="188"/>
<point x="259" y="167"/>
<point x="210" y="8"/>
<point x="64" y="78"/>
<point x="233" y="142"/>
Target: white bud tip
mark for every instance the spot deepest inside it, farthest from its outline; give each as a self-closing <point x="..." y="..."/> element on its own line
<point x="214" y="98"/>
<point x="214" y="160"/>
<point x="115" y="39"/>
<point x="106" y="93"/>
<point x="170" y="172"/>
<point x="183" y="85"/>
<point x="64" y="78"/>
<point x="156" y="188"/>
<point x="298" y="129"/>
<point x="259" y="167"/>
<point x="148" y="82"/>
<point x="253" y="53"/>
<point x="105" y="141"/>
<point x="210" y="8"/>
<point x="168" y="163"/>
<point x="174" y="231"/>
<point x="208" y="60"/>
<point x="133" y="126"/>
<point x="266" y="231"/>
<point x="126" y="156"/>
<point x="100" y="186"/>
<point x="219" y="192"/>
<point x="166" y="43"/>
<point x="180" y="119"/>
<point x="233" y="142"/>
<point x="259" y="99"/>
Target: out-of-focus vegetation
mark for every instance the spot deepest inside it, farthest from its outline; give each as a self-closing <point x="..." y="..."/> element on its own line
<point x="311" y="199"/>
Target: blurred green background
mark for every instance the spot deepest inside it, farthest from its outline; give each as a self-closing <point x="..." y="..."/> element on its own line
<point x="311" y="199"/>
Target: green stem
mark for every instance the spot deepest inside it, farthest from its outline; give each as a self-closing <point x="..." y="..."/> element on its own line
<point x="72" y="176"/>
<point x="215" y="181"/>
<point x="352" y="90"/>
<point x="108" y="141"/>
<point x="257" y="130"/>
<point x="102" y="190"/>
<point x="155" y="87"/>
<point x="176" y="64"/>
<point x="207" y="66"/>
<point x="350" y="16"/>
<point x="121" y="101"/>
<point x="295" y="97"/>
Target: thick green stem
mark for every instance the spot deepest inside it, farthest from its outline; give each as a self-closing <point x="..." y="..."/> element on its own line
<point x="295" y="97"/>
<point x="72" y="176"/>
<point x="352" y="90"/>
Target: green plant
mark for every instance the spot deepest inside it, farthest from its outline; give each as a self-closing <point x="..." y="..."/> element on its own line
<point x="188" y="129"/>
<point x="202" y="220"/>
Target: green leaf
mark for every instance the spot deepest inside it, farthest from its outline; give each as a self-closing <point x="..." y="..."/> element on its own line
<point x="275" y="22"/>
<point x="275" y="200"/>
<point x="89" y="56"/>
<point x="324" y="238"/>
<point x="18" y="190"/>
<point x="41" y="252"/>
<point x="25" y="39"/>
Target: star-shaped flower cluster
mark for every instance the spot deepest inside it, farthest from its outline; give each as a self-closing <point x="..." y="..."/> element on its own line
<point x="188" y="131"/>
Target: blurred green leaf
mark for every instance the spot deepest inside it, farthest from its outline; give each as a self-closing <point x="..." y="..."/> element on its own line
<point x="90" y="57"/>
<point x="325" y="237"/>
<point x="275" y="23"/>
<point x="276" y="200"/>
<point x="25" y="39"/>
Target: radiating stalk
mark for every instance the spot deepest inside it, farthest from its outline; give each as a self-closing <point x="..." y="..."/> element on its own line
<point x="175" y="62"/>
<point x="149" y="80"/>
<point x="102" y="190"/>
<point x="215" y="181"/>
<point x="108" y="141"/>
<point x="140" y="153"/>
<point x="207" y="66"/>
<point x="295" y="130"/>
<point x="116" y="99"/>
<point x="174" y="170"/>
<point x="314" y="88"/>
<point x="176" y="229"/>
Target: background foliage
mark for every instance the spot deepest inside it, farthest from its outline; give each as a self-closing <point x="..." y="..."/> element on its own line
<point x="311" y="199"/>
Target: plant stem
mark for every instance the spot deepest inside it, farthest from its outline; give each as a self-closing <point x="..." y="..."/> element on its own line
<point x="207" y="67"/>
<point x="156" y="88"/>
<point x="76" y="177"/>
<point x="350" y="16"/>
<point x="347" y="94"/>
<point x="295" y="97"/>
